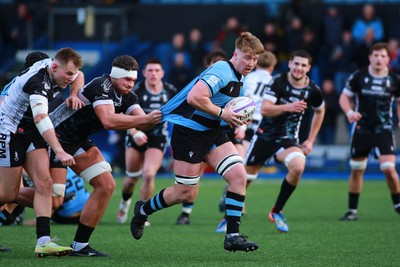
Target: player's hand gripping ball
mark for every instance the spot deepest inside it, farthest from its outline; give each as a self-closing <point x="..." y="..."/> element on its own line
<point x="242" y="105"/>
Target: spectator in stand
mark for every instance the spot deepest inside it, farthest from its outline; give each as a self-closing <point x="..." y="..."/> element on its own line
<point x="180" y="74"/>
<point x="332" y="111"/>
<point x="273" y="41"/>
<point x="294" y="34"/>
<point x="197" y="49"/>
<point x="332" y="25"/>
<point x="310" y="44"/>
<point x="331" y="37"/>
<point x="362" y="49"/>
<point x="394" y="27"/>
<point x="21" y="29"/>
<point x="227" y="35"/>
<point x="394" y="55"/>
<point x="363" y="25"/>
<point x="342" y="60"/>
<point x="178" y="45"/>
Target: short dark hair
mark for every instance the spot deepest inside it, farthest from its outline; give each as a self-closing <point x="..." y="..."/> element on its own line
<point x="125" y="62"/>
<point x="34" y="57"/>
<point x="215" y="56"/>
<point x="153" y="60"/>
<point x="379" y="46"/>
<point x="301" y="53"/>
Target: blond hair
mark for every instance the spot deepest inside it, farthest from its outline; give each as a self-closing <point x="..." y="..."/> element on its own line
<point x="247" y="42"/>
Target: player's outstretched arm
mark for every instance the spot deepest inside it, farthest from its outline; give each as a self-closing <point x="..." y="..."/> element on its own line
<point x="117" y="121"/>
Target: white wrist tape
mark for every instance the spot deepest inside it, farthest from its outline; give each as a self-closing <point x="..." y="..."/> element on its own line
<point x="39" y="105"/>
<point x="44" y="125"/>
<point x="121" y="73"/>
<point x="137" y="135"/>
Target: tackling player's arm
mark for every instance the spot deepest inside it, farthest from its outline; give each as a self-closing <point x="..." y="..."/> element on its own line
<point x="118" y="121"/>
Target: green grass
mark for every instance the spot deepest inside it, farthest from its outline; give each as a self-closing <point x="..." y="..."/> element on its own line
<point x="316" y="236"/>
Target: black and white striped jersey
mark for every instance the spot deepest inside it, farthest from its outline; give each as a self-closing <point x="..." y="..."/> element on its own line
<point x="15" y="111"/>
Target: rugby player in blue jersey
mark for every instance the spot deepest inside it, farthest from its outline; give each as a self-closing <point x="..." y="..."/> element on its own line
<point x="197" y="111"/>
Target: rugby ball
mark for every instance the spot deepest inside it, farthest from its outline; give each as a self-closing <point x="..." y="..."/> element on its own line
<point x="242" y="105"/>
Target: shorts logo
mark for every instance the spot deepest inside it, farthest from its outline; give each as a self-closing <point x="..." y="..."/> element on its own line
<point x="191" y="153"/>
<point x="16" y="158"/>
<point x="3" y="138"/>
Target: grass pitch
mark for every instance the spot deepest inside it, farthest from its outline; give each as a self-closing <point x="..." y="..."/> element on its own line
<point x="316" y="237"/>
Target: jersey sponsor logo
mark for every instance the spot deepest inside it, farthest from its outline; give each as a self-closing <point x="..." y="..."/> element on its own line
<point x="106" y="85"/>
<point x="293" y="99"/>
<point x="118" y="103"/>
<point x="376" y="88"/>
<point x="213" y="80"/>
<point x="155" y="98"/>
<point x="374" y="93"/>
<point x="296" y="92"/>
<point x="46" y="85"/>
<point x="155" y="105"/>
<point x="3" y="139"/>
<point x="377" y="81"/>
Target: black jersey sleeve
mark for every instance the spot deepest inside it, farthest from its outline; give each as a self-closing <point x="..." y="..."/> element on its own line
<point x="99" y="89"/>
<point x="352" y="82"/>
<point x="273" y="89"/>
<point x="38" y="84"/>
